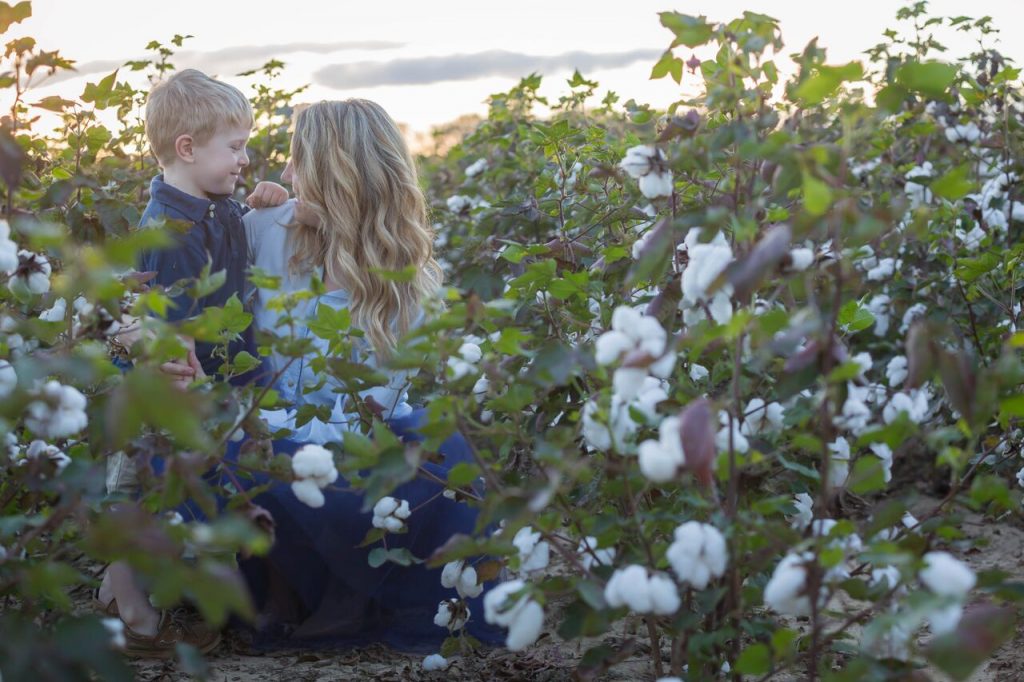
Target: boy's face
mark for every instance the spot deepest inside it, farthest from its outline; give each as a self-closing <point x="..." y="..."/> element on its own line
<point x="219" y="161"/>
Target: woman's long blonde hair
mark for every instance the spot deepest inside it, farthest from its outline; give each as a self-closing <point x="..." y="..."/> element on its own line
<point x="354" y="171"/>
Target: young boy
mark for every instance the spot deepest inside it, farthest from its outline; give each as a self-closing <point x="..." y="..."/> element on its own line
<point x="198" y="128"/>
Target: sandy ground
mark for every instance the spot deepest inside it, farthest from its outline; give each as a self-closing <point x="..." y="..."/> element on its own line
<point x="1002" y="547"/>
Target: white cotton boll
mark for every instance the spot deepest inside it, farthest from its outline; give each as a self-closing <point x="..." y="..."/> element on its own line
<point x="1020" y="477"/>
<point x="115" y="626"/>
<point x="785" y="592"/>
<point x="603" y="436"/>
<point x="839" y="466"/>
<point x="698" y="372"/>
<point x="707" y="262"/>
<point x="533" y="552"/>
<point x="390" y="514"/>
<point x="879" y="308"/>
<point x="462" y="578"/>
<point x="56" y="411"/>
<point x="524" y="617"/>
<point x="39" y="449"/>
<point x="946" y="575"/>
<point x="446" y="618"/>
<point x="459" y="203"/>
<point x="885" y="268"/>
<point x="915" y="404"/>
<point x="8" y="379"/>
<point x="470" y="352"/>
<point x="863" y="361"/>
<point x="476" y="168"/>
<point x="720" y="307"/>
<point x="56" y="312"/>
<point x="655" y="185"/>
<point x="638" y="160"/>
<point x="801" y="259"/>
<point x="968" y="132"/>
<point x="739" y="442"/>
<point x="804" y="511"/>
<point x="759" y="417"/>
<point x="914" y="312"/>
<point x="627" y="381"/>
<point x="995" y="219"/>
<point x="8" y="249"/>
<point x="896" y="370"/>
<point x="661" y="460"/>
<point x="641" y="592"/>
<point x="698" y="553"/>
<point x="308" y="492"/>
<point x="651" y="392"/>
<point x="315" y="463"/>
<point x="884" y="453"/>
<point x="32" y="276"/>
<point x="944" y="620"/>
<point x="625" y="319"/>
<point x="590" y="555"/>
<point x="850" y="544"/>
<point x="888" y="576"/>
<point x="855" y="414"/>
<point x="610" y="346"/>
<point x="435" y="662"/>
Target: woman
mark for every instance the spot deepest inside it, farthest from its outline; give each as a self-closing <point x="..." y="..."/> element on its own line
<point x="356" y="182"/>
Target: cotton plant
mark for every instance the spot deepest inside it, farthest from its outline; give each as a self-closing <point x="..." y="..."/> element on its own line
<point x="509" y="605"/>
<point x="804" y="511"/>
<point x="8" y="250"/>
<point x="39" y="450"/>
<point x="476" y="168"/>
<point x="390" y="514"/>
<point x="734" y="428"/>
<point x="648" y="165"/>
<point x="642" y="591"/>
<point x="462" y="205"/>
<point x="761" y="417"/>
<point x="313" y="469"/>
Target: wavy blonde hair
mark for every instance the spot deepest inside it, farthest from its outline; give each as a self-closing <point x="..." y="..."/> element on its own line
<point x="354" y="172"/>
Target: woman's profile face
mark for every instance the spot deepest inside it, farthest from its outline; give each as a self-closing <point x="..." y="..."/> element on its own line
<point x="288" y="176"/>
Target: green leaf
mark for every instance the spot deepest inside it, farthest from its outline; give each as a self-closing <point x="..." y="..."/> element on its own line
<point x="868" y="475"/>
<point x="854" y="317"/>
<point x="953" y="185"/>
<point x="668" y="64"/>
<point x="826" y="81"/>
<point x="817" y="195"/>
<point x="755" y="660"/>
<point x="690" y="31"/>
<point x="929" y="78"/>
<point x="14" y="14"/>
<point x="463" y="474"/>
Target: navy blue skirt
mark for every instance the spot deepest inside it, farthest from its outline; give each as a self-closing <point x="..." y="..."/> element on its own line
<point x="316" y="588"/>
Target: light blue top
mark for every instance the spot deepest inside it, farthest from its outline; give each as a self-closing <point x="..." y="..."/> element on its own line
<point x="270" y="250"/>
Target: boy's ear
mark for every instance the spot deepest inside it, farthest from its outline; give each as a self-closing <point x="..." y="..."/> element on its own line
<point x="183" y="148"/>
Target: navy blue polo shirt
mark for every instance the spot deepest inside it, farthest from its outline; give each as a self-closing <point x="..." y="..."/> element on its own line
<point x="216" y="236"/>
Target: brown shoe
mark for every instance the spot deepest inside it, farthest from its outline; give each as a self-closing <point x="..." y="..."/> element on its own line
<point x="109" y="609"/>
<point x="174" y="627"/>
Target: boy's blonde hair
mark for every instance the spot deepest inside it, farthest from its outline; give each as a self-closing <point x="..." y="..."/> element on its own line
<point x="192" y="103"/>
<point x="354" y="171"/>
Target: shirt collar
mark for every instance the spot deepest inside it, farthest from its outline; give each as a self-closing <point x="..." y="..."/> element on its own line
<point x="195" y="208"/>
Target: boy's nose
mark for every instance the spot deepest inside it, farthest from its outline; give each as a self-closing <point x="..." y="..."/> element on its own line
<point x="244" y="161"/>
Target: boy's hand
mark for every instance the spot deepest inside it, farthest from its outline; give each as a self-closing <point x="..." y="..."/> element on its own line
<point x="266" y="195"/>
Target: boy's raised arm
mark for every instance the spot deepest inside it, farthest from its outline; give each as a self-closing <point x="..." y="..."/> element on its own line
<point x="266" y="195"/>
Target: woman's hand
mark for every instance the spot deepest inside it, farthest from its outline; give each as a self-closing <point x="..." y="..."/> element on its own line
<point x="184" y="372"/>
<point x="266" y="195"/>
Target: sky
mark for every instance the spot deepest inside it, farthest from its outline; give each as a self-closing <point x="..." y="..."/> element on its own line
<point x="428" y="61"/>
